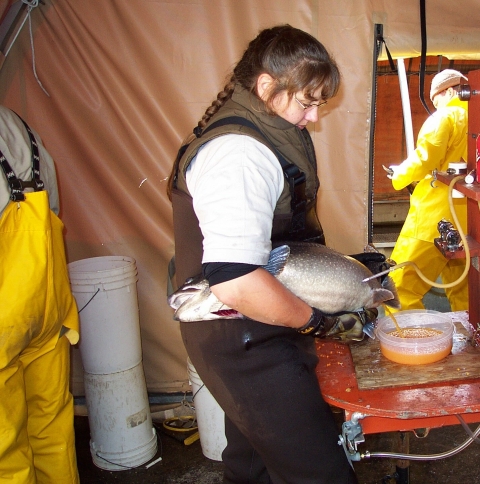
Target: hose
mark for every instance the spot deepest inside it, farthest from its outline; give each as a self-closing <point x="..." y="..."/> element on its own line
<point x="467" y="428"/>
<point x="464" y="241"/>
<point x="442" y="455"/>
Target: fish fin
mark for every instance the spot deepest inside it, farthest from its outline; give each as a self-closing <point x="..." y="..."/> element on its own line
<point x="369" y="329"/>
<point x="277" y="260"/>
<point x="394" y="302"/>
<point x="382" y="296"/>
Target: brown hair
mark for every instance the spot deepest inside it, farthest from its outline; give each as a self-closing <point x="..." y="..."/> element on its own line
<point x="295" y="59"/>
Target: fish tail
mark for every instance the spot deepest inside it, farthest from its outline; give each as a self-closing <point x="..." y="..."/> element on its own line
<point x="277" y="260"/>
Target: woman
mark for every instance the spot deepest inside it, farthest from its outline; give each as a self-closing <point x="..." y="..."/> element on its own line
<point x="247" y="181"/>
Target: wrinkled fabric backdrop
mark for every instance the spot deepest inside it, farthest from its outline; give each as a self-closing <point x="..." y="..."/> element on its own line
<point x="127" y="80"/>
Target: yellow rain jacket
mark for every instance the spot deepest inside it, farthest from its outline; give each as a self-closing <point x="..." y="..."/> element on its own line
<point x="38" y="321"/>
<point x="441" y="140"/>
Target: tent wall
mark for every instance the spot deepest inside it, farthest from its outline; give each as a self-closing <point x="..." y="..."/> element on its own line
<point x="128" y="79"/>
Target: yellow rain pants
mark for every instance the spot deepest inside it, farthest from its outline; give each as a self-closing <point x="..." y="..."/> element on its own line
<point x="37" y="444"/>
<point x="431" y="262"/>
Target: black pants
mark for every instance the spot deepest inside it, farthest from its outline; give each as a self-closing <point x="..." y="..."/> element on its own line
<point x="279" y="429"/>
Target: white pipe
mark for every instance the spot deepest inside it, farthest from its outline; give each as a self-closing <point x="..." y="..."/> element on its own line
<point x="407" y="114"/>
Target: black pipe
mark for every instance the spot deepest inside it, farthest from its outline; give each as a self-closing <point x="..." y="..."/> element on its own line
<point x="423" y="29"/>
<point x="377" y="46"/>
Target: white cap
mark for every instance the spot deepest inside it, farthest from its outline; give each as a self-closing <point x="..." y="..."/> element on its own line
<point x="445" y="79"/>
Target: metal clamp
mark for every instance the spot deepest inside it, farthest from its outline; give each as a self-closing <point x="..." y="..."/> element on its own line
<point x="434" y="179"/>
<point x="352" y="435"/>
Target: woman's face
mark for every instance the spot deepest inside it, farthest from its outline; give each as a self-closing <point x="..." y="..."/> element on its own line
<point x="297" y="109"/>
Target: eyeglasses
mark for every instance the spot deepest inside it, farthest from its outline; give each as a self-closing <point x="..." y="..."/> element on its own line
<point x="309" y="106"/>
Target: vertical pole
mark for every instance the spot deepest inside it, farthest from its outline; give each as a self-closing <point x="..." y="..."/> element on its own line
<point x="377" y="44"/>
<point x="403" y="465"/>
<point x="473" y="211"/>
<point x="407" y="113"/>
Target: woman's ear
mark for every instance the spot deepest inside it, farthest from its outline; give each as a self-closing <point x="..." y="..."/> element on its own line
<point x="265" y="82"/>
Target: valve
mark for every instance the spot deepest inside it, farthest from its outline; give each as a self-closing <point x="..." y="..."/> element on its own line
<point x="449" y="235"/>
<point x="352" y="435"/>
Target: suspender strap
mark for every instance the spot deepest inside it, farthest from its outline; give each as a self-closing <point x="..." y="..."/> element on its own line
<point x="17" y="186"/>
<point x="39" y="185"/>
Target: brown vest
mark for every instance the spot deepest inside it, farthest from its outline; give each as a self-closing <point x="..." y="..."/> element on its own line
<point x="287" y="142"/>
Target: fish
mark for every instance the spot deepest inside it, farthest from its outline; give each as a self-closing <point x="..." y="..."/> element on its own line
<point x="321" y="276"/>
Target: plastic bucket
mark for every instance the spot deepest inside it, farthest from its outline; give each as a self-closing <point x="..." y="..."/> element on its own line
<point x="122" y="434"/>
<point x="459" y="168"/>
<point x="106" y="294"/>
<point x="121" y="430"/>
<point x="210" y="417"/>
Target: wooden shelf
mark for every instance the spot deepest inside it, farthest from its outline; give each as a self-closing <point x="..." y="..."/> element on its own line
<point x="470" y="191"/>
<point x="473" y="245"/>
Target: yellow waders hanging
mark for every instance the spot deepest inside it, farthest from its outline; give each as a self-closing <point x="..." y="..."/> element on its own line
<point x="37" y="442"/>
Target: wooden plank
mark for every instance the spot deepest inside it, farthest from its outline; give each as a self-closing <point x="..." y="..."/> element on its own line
<point x="374" y="371"/>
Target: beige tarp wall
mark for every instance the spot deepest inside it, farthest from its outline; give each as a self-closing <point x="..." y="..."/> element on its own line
<point x="128" y="79"/>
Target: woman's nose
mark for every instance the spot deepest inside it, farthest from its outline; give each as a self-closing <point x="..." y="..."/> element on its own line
<point x="311" y="115"/>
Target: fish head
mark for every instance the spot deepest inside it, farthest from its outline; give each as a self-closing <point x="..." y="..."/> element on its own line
<point x="383" y="292"/>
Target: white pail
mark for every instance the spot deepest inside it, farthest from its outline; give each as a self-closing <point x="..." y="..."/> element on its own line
<point x="459" y="168"/>
<point x="210" y="417"/>
<point x="106" y="294"/>
<point x="121" y="430"/>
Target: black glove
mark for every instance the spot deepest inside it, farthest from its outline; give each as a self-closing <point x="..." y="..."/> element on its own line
<point x="348" y="326"/>
<point x="375" y="262"/>
<point x="344" y="326"/>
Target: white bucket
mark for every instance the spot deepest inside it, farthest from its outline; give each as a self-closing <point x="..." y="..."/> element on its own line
<point x="121" y="431"/>
<point x="459" y="168"/>
<point x="210" y="417"/>
<point x="122" y="435"/>
<point x="106" y="294"/>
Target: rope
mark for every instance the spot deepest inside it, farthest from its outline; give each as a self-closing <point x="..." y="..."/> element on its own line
<point x="31" y="5"/>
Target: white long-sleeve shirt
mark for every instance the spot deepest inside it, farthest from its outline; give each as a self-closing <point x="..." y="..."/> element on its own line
<point x="235" y="182"/>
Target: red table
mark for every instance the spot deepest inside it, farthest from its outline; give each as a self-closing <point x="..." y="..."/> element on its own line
<point x="396" y="408"/>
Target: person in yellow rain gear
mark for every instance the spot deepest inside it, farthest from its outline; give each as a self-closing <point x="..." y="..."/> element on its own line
<point x="441" y="140"/>
<point x="38" y="316"/>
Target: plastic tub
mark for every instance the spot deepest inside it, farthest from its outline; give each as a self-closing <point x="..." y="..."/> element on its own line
<point x="411" y="350"/>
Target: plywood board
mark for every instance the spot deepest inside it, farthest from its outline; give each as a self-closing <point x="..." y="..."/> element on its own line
<point x="373" y="370"/>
